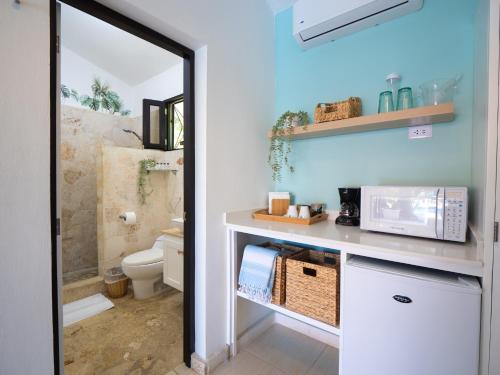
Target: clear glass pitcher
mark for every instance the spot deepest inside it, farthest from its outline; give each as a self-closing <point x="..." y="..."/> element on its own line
<point x="438" y="91"/>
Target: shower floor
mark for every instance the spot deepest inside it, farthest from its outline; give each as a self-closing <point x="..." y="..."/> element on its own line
<point x="74" y="276"/>
<point x="135" y="337"/>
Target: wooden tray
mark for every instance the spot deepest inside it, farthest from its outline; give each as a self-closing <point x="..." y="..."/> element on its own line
<point x="264" y="215"/>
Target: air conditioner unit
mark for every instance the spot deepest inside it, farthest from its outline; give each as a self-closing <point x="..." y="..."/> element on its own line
<point x="319" y="21"/>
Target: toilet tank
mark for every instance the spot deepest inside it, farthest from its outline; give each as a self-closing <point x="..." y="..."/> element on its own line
<point x="160" y="242"/>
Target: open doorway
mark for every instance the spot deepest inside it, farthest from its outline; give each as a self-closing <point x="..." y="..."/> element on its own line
<point x="122" y="193"/>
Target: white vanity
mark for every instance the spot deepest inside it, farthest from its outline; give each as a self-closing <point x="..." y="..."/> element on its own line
<point x="173" y="266"/>
<point x="442" y="260"/>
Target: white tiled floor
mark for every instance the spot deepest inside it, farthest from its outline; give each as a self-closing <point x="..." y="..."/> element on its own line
<point x="280" y="351"/>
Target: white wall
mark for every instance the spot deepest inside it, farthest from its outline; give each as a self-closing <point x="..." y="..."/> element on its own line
<point x="480" y="118"/>
<point x="25" y="270"/>
<point x="234" y="109"/>
<point x="163" y="86"/>
<point x="484" y="159"/>
<point x="238" y="36"/>
<point x="78" y="73"/>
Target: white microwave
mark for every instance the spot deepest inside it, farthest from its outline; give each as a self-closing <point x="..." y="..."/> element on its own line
<point x="432" y="212"/>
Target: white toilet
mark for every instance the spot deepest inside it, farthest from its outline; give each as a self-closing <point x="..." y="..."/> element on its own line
<point x="145" y="269"/>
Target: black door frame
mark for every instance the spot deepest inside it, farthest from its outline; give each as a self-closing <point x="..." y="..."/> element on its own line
<point x="114" y="18"/>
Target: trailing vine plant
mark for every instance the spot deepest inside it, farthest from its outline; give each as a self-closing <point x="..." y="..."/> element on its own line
<point x="143" y="179"/>
<point x="281" y="146"/>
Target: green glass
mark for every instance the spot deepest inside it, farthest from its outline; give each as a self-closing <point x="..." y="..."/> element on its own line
<point x="405" y="98"/>
<point x="385" y="103"/>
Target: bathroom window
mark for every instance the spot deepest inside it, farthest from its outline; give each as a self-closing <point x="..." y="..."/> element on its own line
<point x="154" y="124"/>
<point x="163" y="123"/>
<point x="175" y="123"/>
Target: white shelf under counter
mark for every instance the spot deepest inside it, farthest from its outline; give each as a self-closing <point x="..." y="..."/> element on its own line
<point x="297" y="316"/>
<point x="249" y="318"/>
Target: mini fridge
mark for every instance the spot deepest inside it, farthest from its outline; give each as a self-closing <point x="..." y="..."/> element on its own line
<point x="404" y="320"/>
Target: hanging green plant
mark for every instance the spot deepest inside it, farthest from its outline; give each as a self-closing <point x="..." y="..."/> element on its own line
<point x="143" y="179"/>
<point x="281" y="146"/>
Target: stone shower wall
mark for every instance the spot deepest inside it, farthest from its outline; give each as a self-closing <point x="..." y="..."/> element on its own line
<point x="117" y="174"/>
<point x="83" y="133"/>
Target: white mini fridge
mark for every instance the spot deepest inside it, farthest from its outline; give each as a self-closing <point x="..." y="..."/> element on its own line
<point x="405" y="320"/>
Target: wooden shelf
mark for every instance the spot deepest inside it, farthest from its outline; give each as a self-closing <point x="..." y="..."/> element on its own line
<point x="282" y="310"/>
<point x="398" y="119"/>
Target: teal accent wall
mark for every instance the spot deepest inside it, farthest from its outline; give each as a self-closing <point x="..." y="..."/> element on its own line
<point x="436" y="42"/>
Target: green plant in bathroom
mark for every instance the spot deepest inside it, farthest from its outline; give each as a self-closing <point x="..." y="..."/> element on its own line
<point x="281" y="145"/>
<point x="143" y="179"/>
<point x="67" y="93"/>
<point x="103" y="98"/>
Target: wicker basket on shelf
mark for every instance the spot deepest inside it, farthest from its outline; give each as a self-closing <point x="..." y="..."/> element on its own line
<point x="313" y="285"/>
<point x="338" y="110"/>
<point x="285" y="252"/>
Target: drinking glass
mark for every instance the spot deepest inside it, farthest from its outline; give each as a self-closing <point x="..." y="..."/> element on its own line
<point x="405" y="98"/>
<point x="385" y="103"/>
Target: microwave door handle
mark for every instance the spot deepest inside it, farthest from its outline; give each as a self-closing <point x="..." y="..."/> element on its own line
<point x="439" y="222"/>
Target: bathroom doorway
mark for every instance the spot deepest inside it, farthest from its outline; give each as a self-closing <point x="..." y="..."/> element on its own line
<point x="122" y="161"/>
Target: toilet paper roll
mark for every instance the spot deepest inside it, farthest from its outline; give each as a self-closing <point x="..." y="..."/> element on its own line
<point x="129" y="218"/>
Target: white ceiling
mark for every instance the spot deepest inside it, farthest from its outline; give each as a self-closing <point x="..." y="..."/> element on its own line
<point x="125" y="56"/>
<point x="279" y="5"/>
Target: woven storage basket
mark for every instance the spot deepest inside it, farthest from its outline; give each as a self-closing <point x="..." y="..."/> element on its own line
<point x="279" y="286"/>
<point x="338" y="110"/>
<point x="116" y="282"/>
<point x="117" y="289"/>
<point x="313" y="285"/>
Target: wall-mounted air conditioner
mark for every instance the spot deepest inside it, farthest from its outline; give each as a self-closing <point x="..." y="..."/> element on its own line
<point x="319" y="21"/>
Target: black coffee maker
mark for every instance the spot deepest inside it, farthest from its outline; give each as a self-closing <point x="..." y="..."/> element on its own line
<point x="350" y="203"/>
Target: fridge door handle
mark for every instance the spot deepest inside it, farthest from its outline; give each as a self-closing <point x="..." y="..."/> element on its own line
<point x="440" y="214"/>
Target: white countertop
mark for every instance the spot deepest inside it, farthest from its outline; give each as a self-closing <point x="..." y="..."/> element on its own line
<point x="443" y="255"/>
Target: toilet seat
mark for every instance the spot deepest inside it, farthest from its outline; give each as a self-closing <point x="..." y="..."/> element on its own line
<point x="144" y="257"/>
<point x="145" y="269"/>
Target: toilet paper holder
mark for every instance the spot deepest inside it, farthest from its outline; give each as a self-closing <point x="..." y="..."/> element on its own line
<point x="123" y="217"/>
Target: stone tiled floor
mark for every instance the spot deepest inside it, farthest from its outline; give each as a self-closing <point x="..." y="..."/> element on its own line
<point x="279" y="351"/>
<point x="135" y="337"/>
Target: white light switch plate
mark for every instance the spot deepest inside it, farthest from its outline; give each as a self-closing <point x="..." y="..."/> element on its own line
<point x="421" y="131"/>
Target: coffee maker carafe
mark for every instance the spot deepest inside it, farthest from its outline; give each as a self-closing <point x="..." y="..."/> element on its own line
<point x="350" y="203"/>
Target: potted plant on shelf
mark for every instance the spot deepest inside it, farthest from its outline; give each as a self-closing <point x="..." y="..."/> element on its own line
<point x="281" y="146"/>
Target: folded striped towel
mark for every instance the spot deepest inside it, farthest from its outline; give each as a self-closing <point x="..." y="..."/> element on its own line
<point x="257" y="273"/>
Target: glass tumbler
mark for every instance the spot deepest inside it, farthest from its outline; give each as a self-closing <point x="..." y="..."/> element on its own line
<point x="385" y="103"/>
<point x="405" y="98"/>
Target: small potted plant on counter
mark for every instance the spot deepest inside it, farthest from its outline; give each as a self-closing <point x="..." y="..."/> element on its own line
<point x="281" y="146"/>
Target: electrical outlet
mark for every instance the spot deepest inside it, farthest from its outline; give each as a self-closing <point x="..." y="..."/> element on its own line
<point x="421" y="131"/>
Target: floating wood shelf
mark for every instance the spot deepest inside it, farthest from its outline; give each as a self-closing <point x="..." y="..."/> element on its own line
<point x="399" y="119"/>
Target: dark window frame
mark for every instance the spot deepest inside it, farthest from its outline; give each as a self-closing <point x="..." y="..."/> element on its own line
<point x="146" y="125"/>
<point x="116" y="19"/>
<point x="165" y="126"/>
<point x="169" y="105"/>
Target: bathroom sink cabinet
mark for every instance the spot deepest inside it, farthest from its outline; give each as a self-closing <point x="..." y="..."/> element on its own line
<point x="173" y="267"/>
